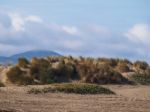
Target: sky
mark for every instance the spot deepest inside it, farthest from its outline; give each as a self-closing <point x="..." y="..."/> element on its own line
<point x="97" y="28"/>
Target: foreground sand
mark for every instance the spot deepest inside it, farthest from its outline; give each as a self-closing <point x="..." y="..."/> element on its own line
<point x="128" y="99"/>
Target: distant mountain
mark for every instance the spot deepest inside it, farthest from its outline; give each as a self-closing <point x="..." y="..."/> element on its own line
<point x="28" y="55"/>
<point x="3" y="59"/>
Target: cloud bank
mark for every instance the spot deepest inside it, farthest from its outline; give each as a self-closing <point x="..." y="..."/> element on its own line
<point x="19" y="33"/>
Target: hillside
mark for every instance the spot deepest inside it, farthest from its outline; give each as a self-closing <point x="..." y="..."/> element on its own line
<point x="28" y="55"/>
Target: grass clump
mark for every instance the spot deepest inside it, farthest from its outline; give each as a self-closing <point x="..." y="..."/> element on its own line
<point x="141" y="79"/>
<point x="73" y="88"/>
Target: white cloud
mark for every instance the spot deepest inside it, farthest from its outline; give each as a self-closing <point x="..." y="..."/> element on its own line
<point x="70" y="30"/>
<point x="33" y="18"/>
<point x="18" y="22"/>
<point x="139" y="33"/>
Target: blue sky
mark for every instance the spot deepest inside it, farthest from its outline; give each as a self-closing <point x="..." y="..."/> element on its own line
<point x="111" y="28"/>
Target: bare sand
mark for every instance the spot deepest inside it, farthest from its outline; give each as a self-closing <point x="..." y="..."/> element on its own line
<point x="127" y="99"/>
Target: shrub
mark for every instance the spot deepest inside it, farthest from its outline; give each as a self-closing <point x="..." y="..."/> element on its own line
<point x="23" y="62"/>
<point x="44" y="75"/>
<point x="71" y="71"/>
<point x="42" y="71"/>
<point x="102" y="74"/>
<point x="141" y="79"/>
<point x="73" y="88"/>
<point x="141" y="65"/>
<point x="1" y="84"/>
<point x="16" y="76"/>
<point x="61" y="72"/>
<point x="65" y="72"/>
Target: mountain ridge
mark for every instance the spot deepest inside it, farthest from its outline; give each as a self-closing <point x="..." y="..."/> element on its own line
<point x="28" y="54"/>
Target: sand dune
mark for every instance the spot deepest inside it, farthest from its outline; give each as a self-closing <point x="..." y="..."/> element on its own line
<point x="3" y="77"/>
<point x="128" y="99"/>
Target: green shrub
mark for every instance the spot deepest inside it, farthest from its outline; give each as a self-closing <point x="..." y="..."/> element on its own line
<point x="83" y="89"/>
<point x="46" y="75"/>
<point x="141" y="79"/>
<point x="42" y="71"/>
<point x="74" y="88"/>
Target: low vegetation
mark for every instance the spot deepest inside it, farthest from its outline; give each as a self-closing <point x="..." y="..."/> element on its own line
<point x="141" y="79"/>
<point x="73" y="88"/>
<point x="1" y="84"/>
<point x="68" y="69"/>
